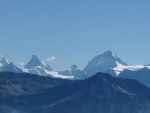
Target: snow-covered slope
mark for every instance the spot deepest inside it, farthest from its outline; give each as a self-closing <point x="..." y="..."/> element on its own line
<point x="104" y="62"/>
<point x="73" y="71"/>
<point x="35" y="62"/>
<point x="108" y="63"/>
<point x="120" y="68"/>
<point x="7" y="66"/>
<point x="36" y="66"/>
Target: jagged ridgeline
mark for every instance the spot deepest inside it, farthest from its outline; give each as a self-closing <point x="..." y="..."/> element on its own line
<point x="106" y="62"/>
<point x="101" y="93"/>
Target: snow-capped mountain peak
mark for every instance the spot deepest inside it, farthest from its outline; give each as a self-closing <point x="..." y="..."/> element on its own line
<point x="104" y="62"/>
<point x="4" y="61"/>
<point x="7" y="66"/>
<point x="36" y="66"/>
<point x="35" y="61"/>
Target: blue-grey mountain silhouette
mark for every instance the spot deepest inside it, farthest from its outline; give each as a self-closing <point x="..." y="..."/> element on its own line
<point x="100" y="93"/>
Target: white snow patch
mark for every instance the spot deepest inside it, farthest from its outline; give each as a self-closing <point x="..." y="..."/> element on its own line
<point x="57" y="75"/>
<point x="120" y="68"/>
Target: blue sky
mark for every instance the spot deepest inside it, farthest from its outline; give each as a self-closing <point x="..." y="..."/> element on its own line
<point x="74" y="31"/>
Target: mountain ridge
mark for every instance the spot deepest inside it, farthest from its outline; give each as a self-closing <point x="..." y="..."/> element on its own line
<point x="105" y="62"/>
<point x="101" y="93"/>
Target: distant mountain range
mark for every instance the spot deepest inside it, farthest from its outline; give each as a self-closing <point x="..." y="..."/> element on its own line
<point x="34" y="66"/>
<point x="106" y="85"/>
<point x="101" y="93"/>
<point x="105" y="62"/>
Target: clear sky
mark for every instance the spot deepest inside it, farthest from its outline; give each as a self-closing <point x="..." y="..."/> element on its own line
<point x="74" y="31"/>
